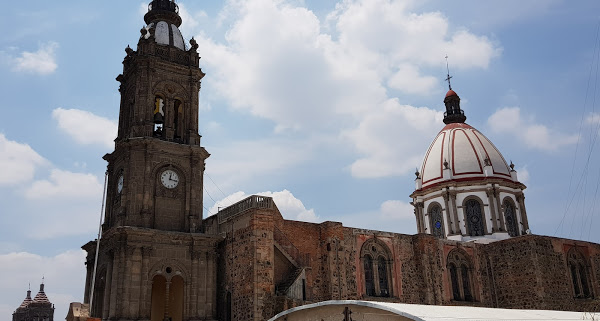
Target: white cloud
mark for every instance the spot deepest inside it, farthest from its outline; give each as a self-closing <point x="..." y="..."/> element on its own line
<point x="242" y="158"/>
<point x="396" y="210"/>
<point x="85" y="127"/>
<point x="523" y="174"/>
<point x="302" y="77"/>
<point x="391" y="216"/>
<point x="509" y="121"/>
<point x="65" y="185"/>
<point x="290" y="207"/>
<point x="393" y="139"/>
<point x="41" y="62"/>
<point x="64" y="275"/>
<point x="593" y="118"/>
<point x="18" y="162"/>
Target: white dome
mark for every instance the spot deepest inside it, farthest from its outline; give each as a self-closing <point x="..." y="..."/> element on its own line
<point x="463" y="153"/>
<point x="165" y="34"/>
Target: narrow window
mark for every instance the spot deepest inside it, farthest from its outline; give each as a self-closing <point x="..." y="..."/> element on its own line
<point x="383" y="278"/>
<point x="454" y="281"/>
<point x="437" y="221"/>
<point x="575" y="280"/>
<point x="511" y="219"/>
<point x="159" y="116"/>
<point x="228" y="308"/>
<point x="369" y="282"/>
<point x="466" y="284"/>
<point x="584" y="283"/>
<point x="177" y="119"/>
<point x="474" y="218"/>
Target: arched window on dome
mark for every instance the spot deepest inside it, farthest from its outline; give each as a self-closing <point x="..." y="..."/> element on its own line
<point x="377" y="266"/>
<point x="510" y="217"/>
<point x="474" y="217"/>
<point x="459" y="271"/>
<point x="436" y="220"/>
<point x="579" y="271"/>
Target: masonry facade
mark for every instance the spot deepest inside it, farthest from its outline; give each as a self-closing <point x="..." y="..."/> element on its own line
<point x="262" y="251"/>
<point x="159" y="259"/>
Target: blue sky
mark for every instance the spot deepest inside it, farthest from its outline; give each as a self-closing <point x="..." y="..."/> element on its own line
<point x="328" y="106"/>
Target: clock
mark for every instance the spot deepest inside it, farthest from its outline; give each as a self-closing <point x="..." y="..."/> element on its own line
<point x="120" y="184"/>
<point x="169" y="178"/>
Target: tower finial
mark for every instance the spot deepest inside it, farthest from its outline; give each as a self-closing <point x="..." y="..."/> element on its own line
<point x="448" y="77"/>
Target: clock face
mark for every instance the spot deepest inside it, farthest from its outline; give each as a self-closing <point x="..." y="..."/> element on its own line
<point x="120" y="184"/>
<point x="169" y="178"/>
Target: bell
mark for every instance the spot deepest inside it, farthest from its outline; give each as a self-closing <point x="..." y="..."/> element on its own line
<point x="159" y="114"/>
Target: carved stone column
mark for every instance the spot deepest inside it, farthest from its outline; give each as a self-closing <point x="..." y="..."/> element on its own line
<point x="494" y="218"/>
<point x="448" y="210"/>
<point x="419" y="216"/>
<point x="522" y="211"/>
<point x="167" y="296"/>
<point x="107" y="286"/>
<point x="114" y="285"/>
<point x="500" y="212"/>
<point x="212" y="281"/>
<point x="454" y="212"/>
<point x="145" y="284"/>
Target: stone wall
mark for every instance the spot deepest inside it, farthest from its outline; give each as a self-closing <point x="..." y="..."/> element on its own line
<point x="527" y="272"/>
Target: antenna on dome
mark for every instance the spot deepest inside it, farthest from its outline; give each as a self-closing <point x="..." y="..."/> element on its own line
<point x="448" y="77"/>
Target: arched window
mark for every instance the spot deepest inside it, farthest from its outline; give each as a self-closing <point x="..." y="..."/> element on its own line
<point x="377" y="267"/>
<point x="459" y="272"/>
<point x="474" y="217"/>
<point x="369" y="280"/>
<point x="167" y="298"/>
<point x="510" y="218"/>
<point x="437" y="220"/>
<point x="579" y="274"/>
<point x="159" y="115"/>
<point x="159" y="292"/>
<point x="177" y="119"/>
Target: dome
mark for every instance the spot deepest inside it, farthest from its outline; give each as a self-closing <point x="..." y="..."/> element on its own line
<point x="459" y="153"/>
<point x="166" y="34"/>
<point x="451" y="93"/>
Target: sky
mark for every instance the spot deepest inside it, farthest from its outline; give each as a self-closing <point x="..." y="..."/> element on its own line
<point x="327" y="106"/>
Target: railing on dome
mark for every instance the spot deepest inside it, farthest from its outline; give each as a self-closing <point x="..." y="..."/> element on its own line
<point x="254" y="201"/>
<point x="455" y="112"/>
<point x="167" y="5"/>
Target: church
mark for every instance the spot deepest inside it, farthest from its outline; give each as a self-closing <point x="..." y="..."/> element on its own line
<point x="159" y="258"/>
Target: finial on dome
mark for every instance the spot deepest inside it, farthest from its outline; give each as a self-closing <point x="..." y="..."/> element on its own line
<point x="446" y="164"/>
<point x="417" y="173"/>
<point x="512" y="166"/>
<point x="453" y="112"/>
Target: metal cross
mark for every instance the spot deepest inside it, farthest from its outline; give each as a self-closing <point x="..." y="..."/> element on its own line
<point x="347" y="314"/>
<point x="448" y="75"/>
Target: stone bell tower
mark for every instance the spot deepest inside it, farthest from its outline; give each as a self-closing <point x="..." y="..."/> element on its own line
<point x="154" y="261"/>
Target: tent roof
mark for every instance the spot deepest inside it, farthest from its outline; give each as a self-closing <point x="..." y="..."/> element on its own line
<point x="420" y="312"/>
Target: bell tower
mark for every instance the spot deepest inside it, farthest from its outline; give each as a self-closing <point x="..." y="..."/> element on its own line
<point x="156" y="170"/>
<point x="154" y="262"/>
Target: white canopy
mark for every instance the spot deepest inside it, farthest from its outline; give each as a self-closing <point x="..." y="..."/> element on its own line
<point x="367" y="310"/>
